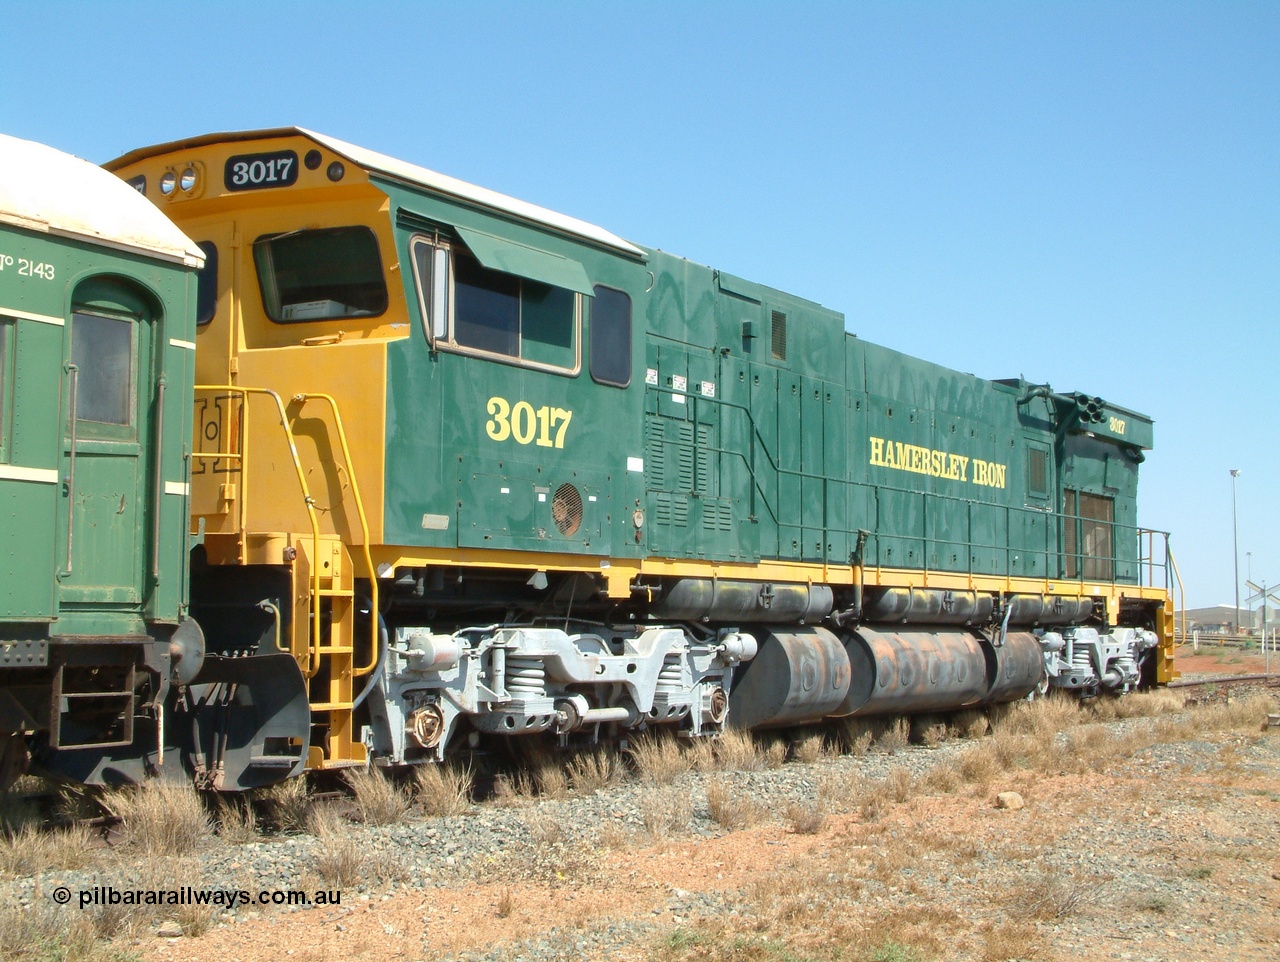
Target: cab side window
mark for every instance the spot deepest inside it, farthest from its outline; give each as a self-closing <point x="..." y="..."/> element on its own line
<point x="610" y="332"/>
<point x="475" y="309"/>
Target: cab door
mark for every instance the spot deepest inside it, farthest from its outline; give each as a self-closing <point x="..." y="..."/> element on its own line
<point x="109" y="390"/>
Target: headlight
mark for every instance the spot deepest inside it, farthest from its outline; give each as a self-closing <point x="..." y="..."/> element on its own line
<point x="188" y="179"/>
<point x="168" y="182"/>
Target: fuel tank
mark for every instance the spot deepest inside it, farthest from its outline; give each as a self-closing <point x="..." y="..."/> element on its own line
<point x="1015" y="668"/>
<point x="913" y="671"/>
<point x="797" y="676"/>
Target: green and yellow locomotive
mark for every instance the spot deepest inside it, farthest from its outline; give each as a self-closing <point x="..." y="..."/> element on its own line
<point x="97" y="360"/>
<point x="465" y="468"/>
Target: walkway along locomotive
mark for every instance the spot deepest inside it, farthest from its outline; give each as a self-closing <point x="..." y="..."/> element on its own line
<point x="464" y="468"/>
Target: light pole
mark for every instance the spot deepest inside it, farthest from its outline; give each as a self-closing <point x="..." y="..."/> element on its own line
<point x="1235" y="544"/>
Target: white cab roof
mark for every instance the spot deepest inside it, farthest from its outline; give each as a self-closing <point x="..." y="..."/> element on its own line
<point x="45" y="190"/>
<point x="410" y="174"/>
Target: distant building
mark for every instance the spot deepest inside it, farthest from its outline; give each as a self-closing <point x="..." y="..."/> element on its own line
<point x="1219" y="618"/>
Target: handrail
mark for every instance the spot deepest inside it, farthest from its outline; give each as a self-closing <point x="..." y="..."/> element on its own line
<point x="364" y="525"/>
<point x="1182" y="592"/>
<point x="158" y="486"/>
<point x="313" y="654"/>
<point x="74" y="385"/>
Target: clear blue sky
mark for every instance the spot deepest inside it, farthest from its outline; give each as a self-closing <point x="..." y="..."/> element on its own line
<point x="1082" y="193"/>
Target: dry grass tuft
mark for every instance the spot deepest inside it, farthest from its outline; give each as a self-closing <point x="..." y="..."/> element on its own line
<point x="380" y="799"/>
<point x="856" y="735"/>
<point x="970" y="723"/>
<point x="30" y="850"/>
<point x="1147" y="704"/>
<point x="339" y="859"/>
<point x="545" y="828"/>
<point x="1010" y="940"/>
<point x="928" y="731"/>
<point x="548" y="779"/>
<point x="161" y="818"/>
<point x="1235" y="714"/>
<point x="838" y="791"/>
<point x="78" y="802"/>
<point x="443" y="790"/>
<point x="288" y="804"/>
<point x="665" y="811"/>
<point x="805" y="818"/>
<point x="44" y="933"/>
<point x="894" y="738"/>
<point x="506" y="904"/>
<point x="899" y="783"/>
<point x="658" y="757"/>
<point x="236" y="821"/>
<point x="1055" y="713"/>
<point x="734" y="751"/>
<point x="1051" y="897"/>
<point x="979" y="766"/>
<point x="595" y="770"/>
<point x="774" y="752"/>
<point x="876" y="798"/>
<point x="942" y="779"/>
<point x="17" y="812"/>
<point x="732" y="809"/>
<point x="810" y="748"/>
<point x="1091" y="749"/>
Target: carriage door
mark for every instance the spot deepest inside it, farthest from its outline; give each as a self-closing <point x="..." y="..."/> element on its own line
<point x="108" y="392"/>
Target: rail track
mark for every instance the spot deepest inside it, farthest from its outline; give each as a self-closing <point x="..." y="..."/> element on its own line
<point x="1270" y="681"/>
<point x="46" y="801"/>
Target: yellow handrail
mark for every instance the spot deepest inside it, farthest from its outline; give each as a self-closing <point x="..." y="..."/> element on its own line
<point x="1182" y="593"/>
<point x="364" y="526"/>
<point x="313" y="654"/>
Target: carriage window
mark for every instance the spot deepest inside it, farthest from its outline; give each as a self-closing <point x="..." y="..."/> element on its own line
<point x="312" y="275"/>
<point x="207" y="284"/>
<point x="102" y="351"/>
<point x="610" y="337"/>
<point x="511" y="316"/>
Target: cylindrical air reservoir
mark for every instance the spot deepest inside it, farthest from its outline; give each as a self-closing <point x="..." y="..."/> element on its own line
<point x="926" y="606"/>
<point x="797" y="676"/>
<point x="709" y="599"/>
<point x="1027" y="610"/>
<point x="913" y="671"/>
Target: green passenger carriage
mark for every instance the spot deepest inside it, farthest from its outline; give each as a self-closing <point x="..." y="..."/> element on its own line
<point x="97" y="345"/>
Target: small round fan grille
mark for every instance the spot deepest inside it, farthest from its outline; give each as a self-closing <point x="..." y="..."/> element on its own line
<point x="566" y="509"/>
